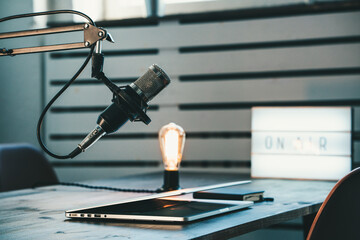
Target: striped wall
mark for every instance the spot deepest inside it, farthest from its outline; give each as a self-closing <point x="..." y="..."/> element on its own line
<point x="219" y="70"/>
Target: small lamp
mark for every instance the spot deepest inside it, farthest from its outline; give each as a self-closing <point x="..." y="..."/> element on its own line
<point x="172" y="141"/>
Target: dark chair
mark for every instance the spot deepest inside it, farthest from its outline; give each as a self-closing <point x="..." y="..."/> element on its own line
<point x="24" y="166"/>
<point x="339" y="215"/>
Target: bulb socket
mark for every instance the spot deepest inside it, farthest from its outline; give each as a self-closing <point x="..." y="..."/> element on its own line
<point x="171" y="181"/>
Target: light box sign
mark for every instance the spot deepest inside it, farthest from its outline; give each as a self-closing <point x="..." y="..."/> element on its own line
<point x="301" y="142"/>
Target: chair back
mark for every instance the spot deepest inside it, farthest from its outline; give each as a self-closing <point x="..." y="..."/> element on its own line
<point x="339" y="215"/>
<point x="24" y="166"/>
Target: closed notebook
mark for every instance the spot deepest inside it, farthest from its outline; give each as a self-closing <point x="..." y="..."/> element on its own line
<point x="230" y="194"/>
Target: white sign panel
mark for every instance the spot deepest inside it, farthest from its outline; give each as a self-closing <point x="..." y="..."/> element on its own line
<point x="301" y="142"/>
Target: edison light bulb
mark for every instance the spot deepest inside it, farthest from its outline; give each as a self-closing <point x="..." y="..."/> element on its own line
<point x="172" y="141"/>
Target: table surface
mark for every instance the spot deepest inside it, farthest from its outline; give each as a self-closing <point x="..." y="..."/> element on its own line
<point x="39" y="213"/>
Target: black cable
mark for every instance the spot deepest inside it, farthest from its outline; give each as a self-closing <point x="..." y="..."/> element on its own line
<point x="109" y="188"/>
<point x="57" y="95"/>
<point x="48" y="13"/>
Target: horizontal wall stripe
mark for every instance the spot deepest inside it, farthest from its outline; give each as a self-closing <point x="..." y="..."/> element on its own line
<point x="214" y="163"/>
<point x="277" y="44"/>
<point x="114" y="163"/>
<point x="268" y="12"/>
<point x="107" y="53"/>
<point x="154" y="163"/>
<point x="192" y="135"/>
<point x="246" y="105"/>
<point x="133" y="22"/>
<point x="83" y="109"/>
<point x="60" y="82"/>
<point x="195" y="135"/>
<point x="77" y="109"/>
<point x="233" y="134"/>
<point x="269" y="74"/>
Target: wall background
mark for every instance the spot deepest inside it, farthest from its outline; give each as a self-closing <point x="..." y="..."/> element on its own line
<point x="21" y="90"/>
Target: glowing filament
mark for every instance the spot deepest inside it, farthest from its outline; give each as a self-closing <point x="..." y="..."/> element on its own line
<point x="172" y="139"/>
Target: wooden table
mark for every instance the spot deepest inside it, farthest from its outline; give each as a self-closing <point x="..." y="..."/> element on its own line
<point x="39" y="213"/>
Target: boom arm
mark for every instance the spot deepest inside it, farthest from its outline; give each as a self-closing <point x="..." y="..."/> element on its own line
<point x="92" y="35"/>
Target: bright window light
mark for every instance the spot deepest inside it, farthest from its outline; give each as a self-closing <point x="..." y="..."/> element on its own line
<point x="101" y="10"/>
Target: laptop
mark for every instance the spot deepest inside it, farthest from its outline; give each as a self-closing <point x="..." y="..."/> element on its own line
<point x="173" y="206"/>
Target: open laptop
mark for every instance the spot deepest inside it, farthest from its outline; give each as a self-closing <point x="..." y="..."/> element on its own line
<point x="163" y="207"/>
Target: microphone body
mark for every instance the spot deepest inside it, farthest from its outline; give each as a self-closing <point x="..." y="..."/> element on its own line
<point x="130" y="103"/>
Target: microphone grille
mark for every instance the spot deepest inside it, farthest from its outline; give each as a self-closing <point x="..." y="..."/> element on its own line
<point x="152" y="82"/>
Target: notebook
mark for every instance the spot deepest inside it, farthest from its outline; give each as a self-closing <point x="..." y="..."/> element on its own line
<point x="231" y="194"/>
<point x="163" y="207"/>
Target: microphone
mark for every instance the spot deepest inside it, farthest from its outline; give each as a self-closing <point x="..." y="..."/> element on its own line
<point x="129" y="103"/>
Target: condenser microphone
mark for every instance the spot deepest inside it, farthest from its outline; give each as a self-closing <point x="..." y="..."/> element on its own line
<point x="129" y="103"/>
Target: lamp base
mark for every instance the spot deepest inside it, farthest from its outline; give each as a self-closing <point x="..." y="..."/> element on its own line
<point x="171" y="181"/>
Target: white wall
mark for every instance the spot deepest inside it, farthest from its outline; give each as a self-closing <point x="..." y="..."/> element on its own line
<point x="20" y="91"/>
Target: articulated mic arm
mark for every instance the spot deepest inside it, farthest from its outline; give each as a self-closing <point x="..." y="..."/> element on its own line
<point x="92" y="35"/>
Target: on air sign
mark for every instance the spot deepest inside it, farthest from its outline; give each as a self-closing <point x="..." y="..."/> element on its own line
<point x="301" y="142"/>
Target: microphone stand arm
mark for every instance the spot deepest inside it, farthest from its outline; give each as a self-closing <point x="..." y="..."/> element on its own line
<point x="92" y="35"/>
